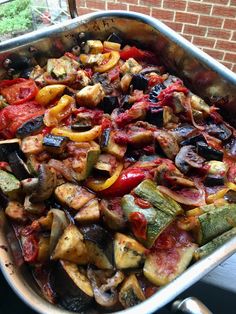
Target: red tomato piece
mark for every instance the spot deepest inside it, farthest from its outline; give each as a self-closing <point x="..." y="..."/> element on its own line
<point x="142" y="203"/>
<point x="18" y="91"/>
<point x="30" y="249"/>
<point x="133" y="52"/>
<point x="128" y="179"/>
<point x="12" y="117"/>
<point x="138" y="225"/>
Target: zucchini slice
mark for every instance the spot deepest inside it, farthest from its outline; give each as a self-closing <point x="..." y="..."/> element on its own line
<point x="71" y="246"/>
<point x="161" y="267"/>
<point x="214" y="244"/>
<point x="72" y="287"/>
<point x="128" y="253"/>
<point x="157" y="220"/>
<point x="9" y="184"/>
<point x="216" y="222"/>
<point x="148" y="191"/>
<point x="131" y="293"/>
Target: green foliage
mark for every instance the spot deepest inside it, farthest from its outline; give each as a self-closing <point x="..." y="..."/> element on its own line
<point x="15" y="16"/>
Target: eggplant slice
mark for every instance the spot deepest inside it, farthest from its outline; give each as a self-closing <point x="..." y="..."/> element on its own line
<point x="30" y="127"/>
<point x="73" y="289"/>
<point x="18" y="167"/>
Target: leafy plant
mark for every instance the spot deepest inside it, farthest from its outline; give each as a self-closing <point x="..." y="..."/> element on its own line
<point x="15" y="16"/>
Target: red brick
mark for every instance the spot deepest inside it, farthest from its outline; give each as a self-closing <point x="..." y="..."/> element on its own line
<point x="204" y="42"/>
<point x="225" y="45"/>
<point x="234" y="68"/>
<point x="80" y="3"/>
<point x="218" y="33"/>
<point x="214" y="53"/>
<point x="174" y="5"/>
<point x="231" y="57"/>
<point x="93" y="4"/>
<point x="199" y="7"/>
<point x="163" y="14"/>
<point x="230" y="24"/>
<point x="186" y="17"/>
<point x="210" y="21"/>
<point x="229" y="65"/>
<point x="82" y="11"/>
<point x="154" y="3"/>
<point x="175" y="26"/>
<point x="194" y="30"/>
<point x="188" y="37"/>
<point x="128" y="1"/>
<point x="216" y="1"/>
<point x="140" y="9"/>
<point x="116" y="6"/>
<point x="234" y="36"/>
<point x="224" y="11"/>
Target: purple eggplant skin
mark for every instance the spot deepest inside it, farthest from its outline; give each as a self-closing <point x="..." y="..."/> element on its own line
<point x="97" y="234"/>
<point x="193" y="140"/>
<point x="155" y="116"/>
<point x="69" y="295"/>
<point x="18" y="166"/>
<point x="104" y="140"/>
<point x="139" y="82"/>
<point x="109" y="103"/>
<point x="30" y="127"/>
<point x="213" y="180"/>
<point x="115" y="38"/>
<point x="7" y="147"/>
<point x="209" y="153"/>
<point x="3" y="200"/>
<point x="155" y="91"/>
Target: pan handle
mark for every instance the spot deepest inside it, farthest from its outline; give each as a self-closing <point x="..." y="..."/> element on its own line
<point x="72" y="8"/>
<point x="190" y="305"/>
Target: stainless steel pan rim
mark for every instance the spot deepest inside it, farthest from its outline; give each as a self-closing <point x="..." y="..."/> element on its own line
<point x="193" y="273"/>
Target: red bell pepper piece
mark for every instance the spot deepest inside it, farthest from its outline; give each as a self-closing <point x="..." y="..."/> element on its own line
<point x="128" y="179"/>
<point x="175" y="87"/>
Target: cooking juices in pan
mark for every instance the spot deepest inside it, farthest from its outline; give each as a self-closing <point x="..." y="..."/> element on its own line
<point x="114" y="175"/>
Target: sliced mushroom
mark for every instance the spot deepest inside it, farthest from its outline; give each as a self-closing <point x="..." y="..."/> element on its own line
<point x="104" y="286"/>
<point x="46" y="184"/>
<point x="188" y="158"/>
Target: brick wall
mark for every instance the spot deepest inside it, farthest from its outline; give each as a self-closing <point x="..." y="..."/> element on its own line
<point x="208" y="24"/>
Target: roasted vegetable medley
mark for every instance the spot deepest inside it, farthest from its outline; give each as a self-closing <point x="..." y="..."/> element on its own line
<point x="114" y="175"/>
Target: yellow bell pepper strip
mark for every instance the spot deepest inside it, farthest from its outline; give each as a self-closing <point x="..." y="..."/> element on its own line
<point x="48" y="93"/>
<point x="62" y="110"/>
<point x="86" y="136"/>
<point x="100" y="185"/>
<point x="214" y="197"/>
<point x="114" y="57"/>
<point x="109" y="45"/>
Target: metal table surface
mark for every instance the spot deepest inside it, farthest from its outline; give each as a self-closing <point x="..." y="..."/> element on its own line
<point x="217" y="291"/>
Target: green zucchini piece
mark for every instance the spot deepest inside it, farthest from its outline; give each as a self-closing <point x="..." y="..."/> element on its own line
<point x="131" y="293"/>
<point x="128" y="253"/>
<point x="90" y="160"/>
<point x="148" y="191"/>
<point x="159" y="268"/>
<point x="214" y="244"/>
<point x="113" y="148"/>
<point x="157" y="220"/>
<point x="216" y="222"/>
<point x="9" y="184"/>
